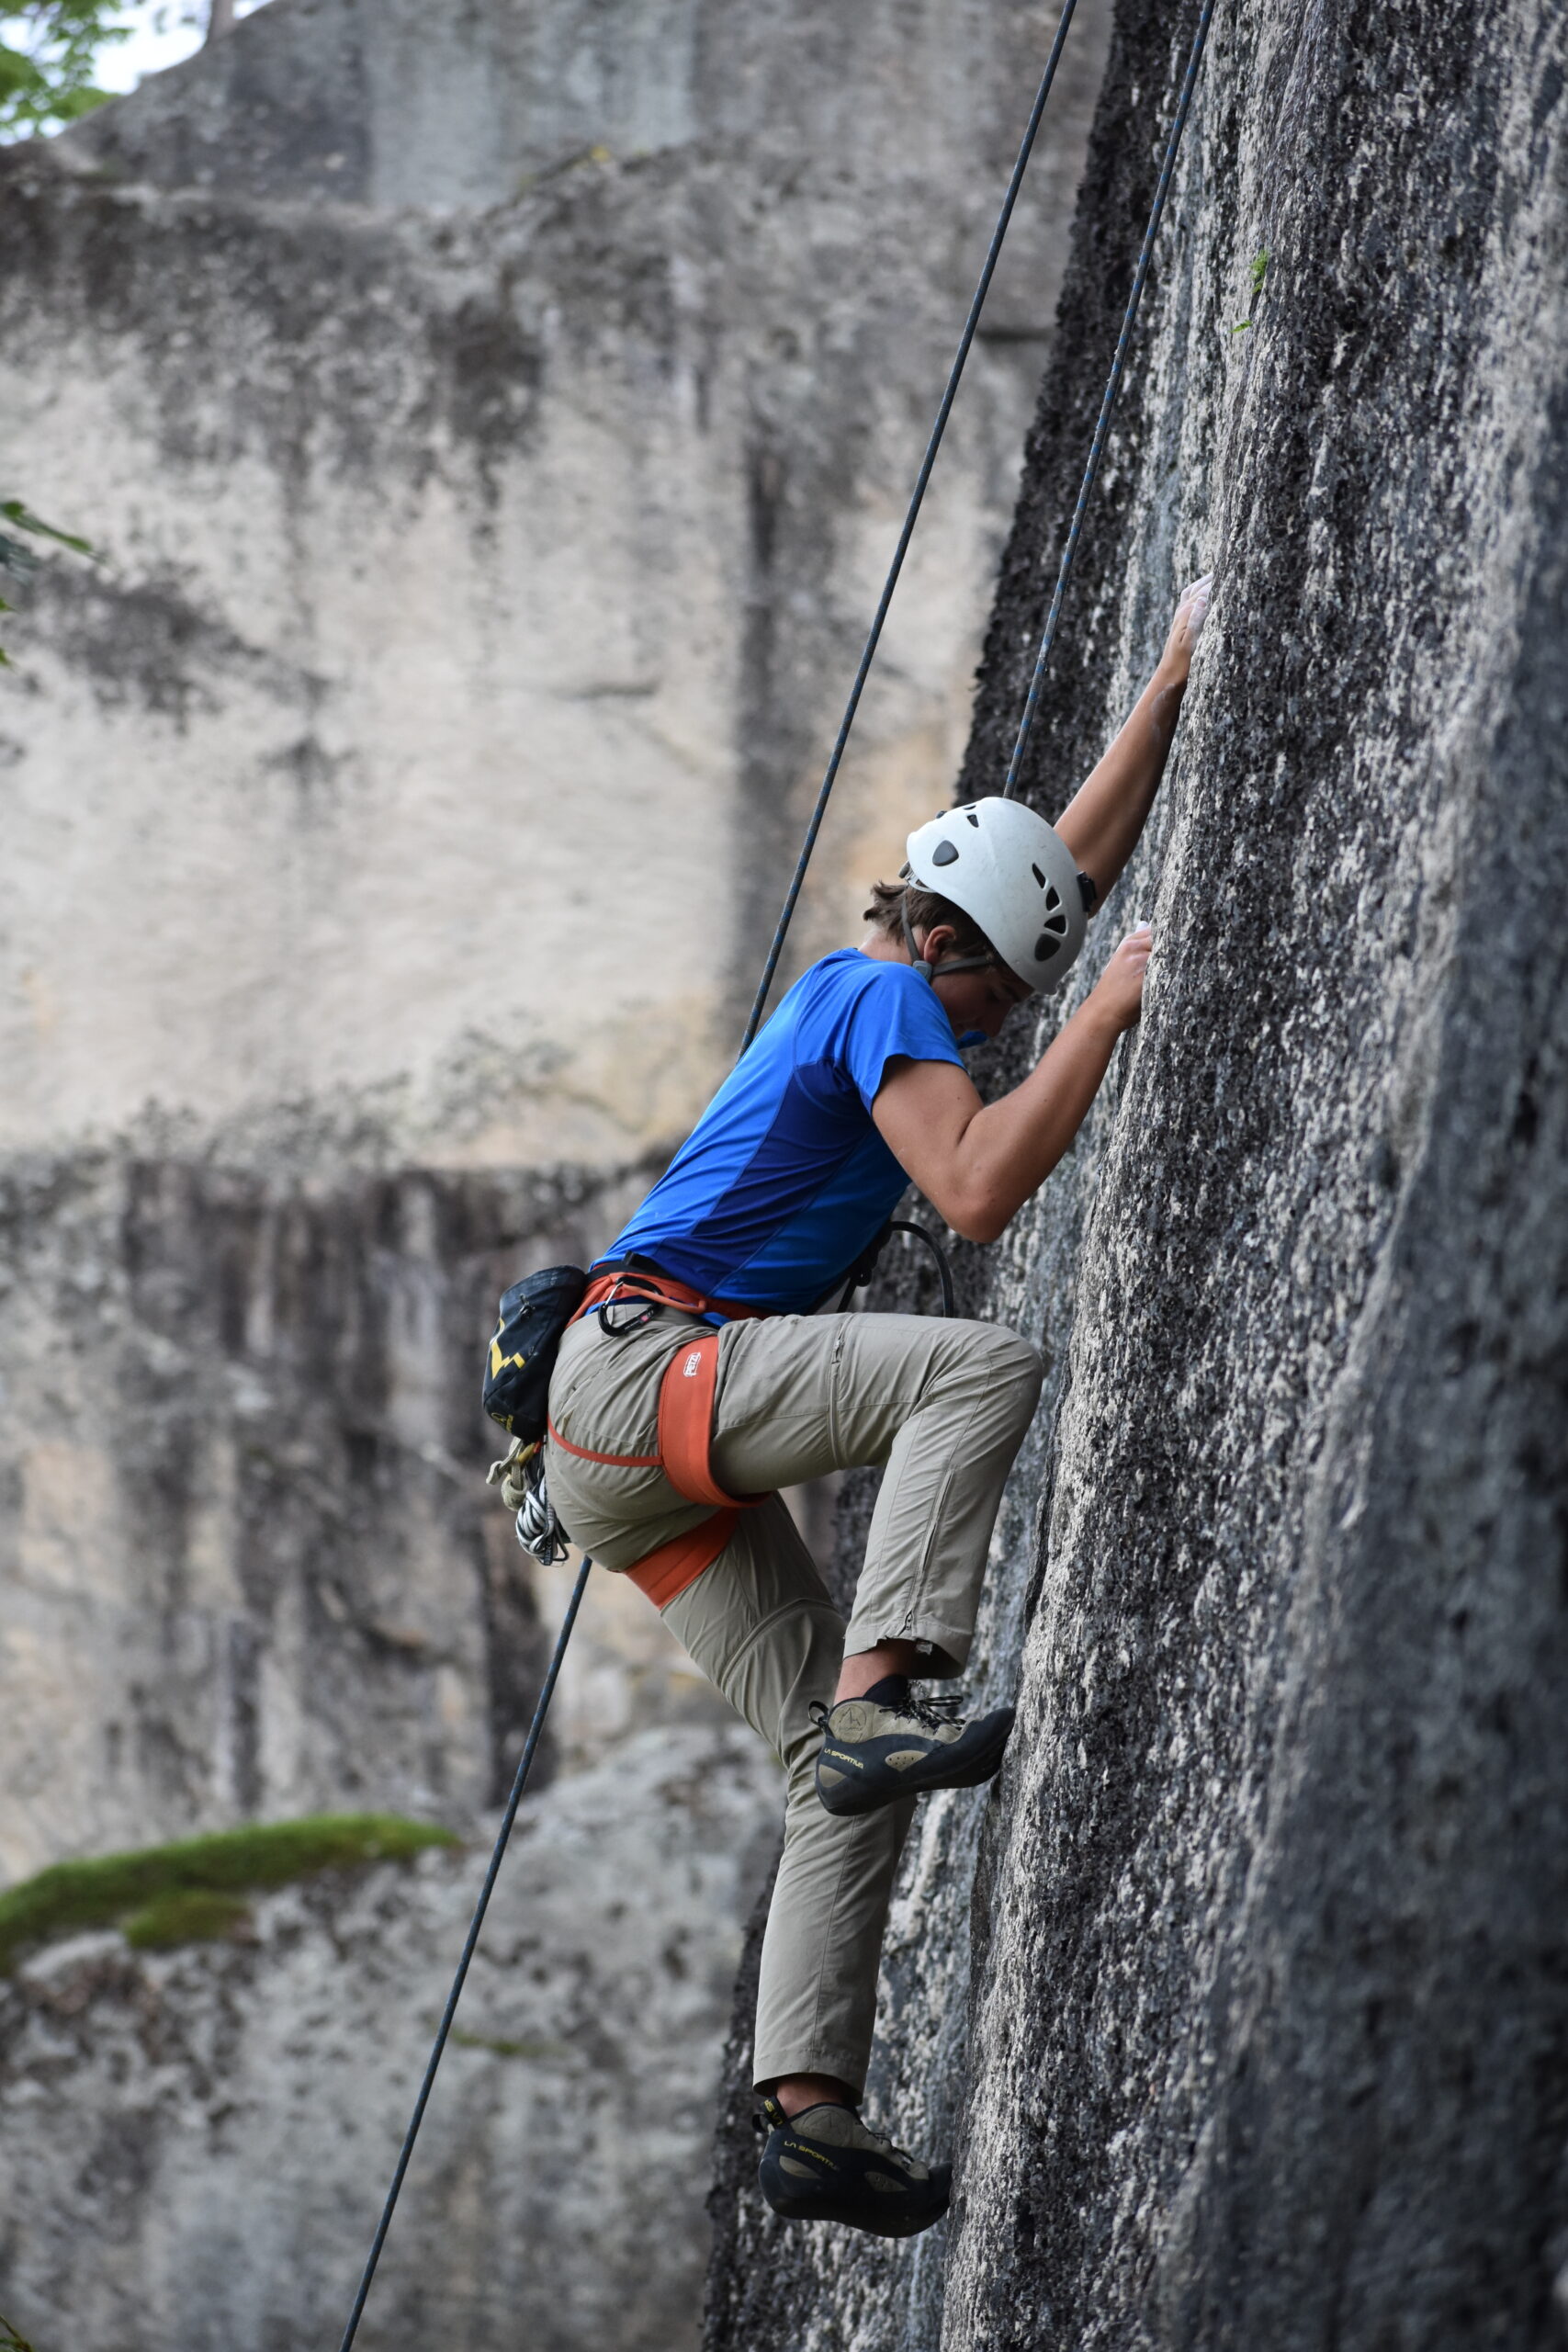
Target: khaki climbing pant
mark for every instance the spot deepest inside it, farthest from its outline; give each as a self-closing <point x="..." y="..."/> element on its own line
<point x="944" y="1405"/>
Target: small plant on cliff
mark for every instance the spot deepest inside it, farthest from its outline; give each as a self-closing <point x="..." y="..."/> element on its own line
<point x="1256" y="273"/>
<point x="18" y="561"/>
<point x="189" y="1892"/>
<point x="9" y="2340"/>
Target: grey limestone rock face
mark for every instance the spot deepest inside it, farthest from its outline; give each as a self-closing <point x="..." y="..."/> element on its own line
<point x="389" y="812"/>
<point x="483" y="566"/>
<point x="194" y="2145"/>
<point x="252" y="1570"/>
<point x="492" y="421"/>
<point x="1242" y="1999"/>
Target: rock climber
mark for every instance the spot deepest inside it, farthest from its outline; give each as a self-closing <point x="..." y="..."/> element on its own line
<point x="855" y="1089"/>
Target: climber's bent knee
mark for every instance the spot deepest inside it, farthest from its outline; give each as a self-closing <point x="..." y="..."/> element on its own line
<point x="1016" y="1363"/>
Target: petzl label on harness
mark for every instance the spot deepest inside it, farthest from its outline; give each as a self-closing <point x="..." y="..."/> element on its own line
<point x="533" y="1314"/>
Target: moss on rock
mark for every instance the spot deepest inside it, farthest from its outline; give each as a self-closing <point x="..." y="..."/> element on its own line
<point x="195" y="1915"/>
<point x="144" y="1889"/>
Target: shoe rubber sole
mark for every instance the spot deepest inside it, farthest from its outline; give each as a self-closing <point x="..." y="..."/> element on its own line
<point x="856" y="1798"/>
<point x="822" y="2208"/>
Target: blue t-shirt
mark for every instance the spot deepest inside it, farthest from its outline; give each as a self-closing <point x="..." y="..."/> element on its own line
<point x="785" y="1181"/>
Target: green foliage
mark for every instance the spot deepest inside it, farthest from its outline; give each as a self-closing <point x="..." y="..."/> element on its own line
<point x="112" y="1889"/>
<point x="49" y="49"/>
<point x="9" y="2340"/>
<point x="17" y="512"/>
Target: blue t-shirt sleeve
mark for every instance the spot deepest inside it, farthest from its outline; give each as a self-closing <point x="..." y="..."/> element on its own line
<point x="894" y="1012"/>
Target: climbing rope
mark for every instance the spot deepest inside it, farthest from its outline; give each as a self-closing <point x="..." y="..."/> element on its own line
<point x="776" y="949"/>
<point x="993" y="254"/>
<point x="450" y="2011"/>
<point x="1113" y="385"/>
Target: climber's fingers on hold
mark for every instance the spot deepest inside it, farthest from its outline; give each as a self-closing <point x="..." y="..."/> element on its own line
<point x="1191" y="612"/>
<point x="1123" y="978"/>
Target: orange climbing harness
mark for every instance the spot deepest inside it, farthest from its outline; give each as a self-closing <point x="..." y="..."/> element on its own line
<point x="685" y="1433"/>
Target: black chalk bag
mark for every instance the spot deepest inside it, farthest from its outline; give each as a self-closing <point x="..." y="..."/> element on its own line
<point x="533" y="1314"/>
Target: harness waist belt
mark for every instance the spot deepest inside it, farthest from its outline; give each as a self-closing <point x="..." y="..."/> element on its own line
<point x="661" y="1289"/>
<point x="685" y="1443"/>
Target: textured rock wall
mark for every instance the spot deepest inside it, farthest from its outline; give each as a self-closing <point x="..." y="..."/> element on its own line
<point x="1243" y="1995"/>
<point x="252" y="1567"/>
<point x="491" y="423"/>
<point x="194" y="2145"/>
<point x="485" y="562"/>
<point x="494" y="422"/>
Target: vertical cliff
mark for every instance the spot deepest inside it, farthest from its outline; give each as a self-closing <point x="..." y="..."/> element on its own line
<point x="1242" y="1997"/>
<point x="489" y="421"/>
<point x="489" y="426"/>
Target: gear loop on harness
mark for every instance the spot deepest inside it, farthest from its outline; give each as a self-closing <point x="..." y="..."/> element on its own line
<point x="687" y="1391"/>
<point x="861" y="1272"/>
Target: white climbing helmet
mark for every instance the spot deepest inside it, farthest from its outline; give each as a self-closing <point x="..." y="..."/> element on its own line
<point x="1013" y="874"/>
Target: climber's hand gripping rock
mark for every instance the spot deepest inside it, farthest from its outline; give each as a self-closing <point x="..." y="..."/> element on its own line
<point x="1191" y="612"/>
<point x="1120" y="988"/>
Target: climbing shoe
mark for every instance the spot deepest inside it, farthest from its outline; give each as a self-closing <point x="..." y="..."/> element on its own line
<point x="887" y="1745"/>
<point x="825" y="2165"/>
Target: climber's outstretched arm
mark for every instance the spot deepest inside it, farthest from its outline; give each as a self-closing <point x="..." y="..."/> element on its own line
<point x="978" y="1162"/>
<point x="1101" y="822"/>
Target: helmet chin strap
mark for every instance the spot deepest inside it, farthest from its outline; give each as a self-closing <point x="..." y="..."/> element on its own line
<point x="928" y="971"/>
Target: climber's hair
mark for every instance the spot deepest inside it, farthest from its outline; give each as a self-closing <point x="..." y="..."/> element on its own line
<point x="926" y="909"/>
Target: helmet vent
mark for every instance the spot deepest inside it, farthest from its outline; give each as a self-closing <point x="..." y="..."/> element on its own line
<point x="945" y="854"/>
<point x="973" y="819"/>
<point x="1053" y="900"/>
<point x="1039" y="877"/>
<point x="1045" y="947"/>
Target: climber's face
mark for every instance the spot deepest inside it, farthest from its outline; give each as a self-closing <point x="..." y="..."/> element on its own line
<point x="972" y="1001"/>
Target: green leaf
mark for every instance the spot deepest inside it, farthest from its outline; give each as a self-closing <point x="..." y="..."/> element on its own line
<point x="17" y="562"/>
<point x="48" y="67"/>
<point x="15" y="511"/>
<point x="18" y="73"/>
